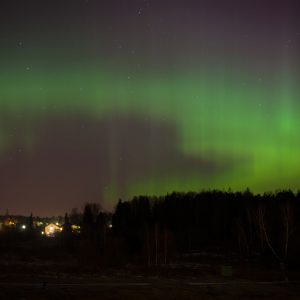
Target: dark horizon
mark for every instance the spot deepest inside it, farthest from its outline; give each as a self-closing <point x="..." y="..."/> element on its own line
<point x="153" y="198"/>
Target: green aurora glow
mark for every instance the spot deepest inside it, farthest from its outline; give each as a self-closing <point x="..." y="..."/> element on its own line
<point x="213" y="88"/>
<point x="226" y="114"/>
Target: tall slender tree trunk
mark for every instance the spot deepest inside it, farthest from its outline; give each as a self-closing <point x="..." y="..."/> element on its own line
<point x="165" y="245"/>
<point x="148" y="246"/>
<point x="156" y="244"/>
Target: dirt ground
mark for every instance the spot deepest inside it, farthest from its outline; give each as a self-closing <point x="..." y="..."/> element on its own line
<point x="46" y="280"/>
<point x="150" y="289"/>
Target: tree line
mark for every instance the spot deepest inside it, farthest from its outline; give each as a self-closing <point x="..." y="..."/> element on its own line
<point x="229" y="222"/>
<point x="155" y="230"/>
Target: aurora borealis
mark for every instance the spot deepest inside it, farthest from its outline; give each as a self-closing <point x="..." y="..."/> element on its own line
<point x="107" y="99"/>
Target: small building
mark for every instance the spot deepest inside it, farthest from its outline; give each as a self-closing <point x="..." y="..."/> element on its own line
<point x="10" y="223"/>
<point x="75" y="229"/>
<point x="52" y="229"/>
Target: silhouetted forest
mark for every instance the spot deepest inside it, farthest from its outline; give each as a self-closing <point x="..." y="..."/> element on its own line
<point x="226" y="222"/>
<point x="156" y="230"/>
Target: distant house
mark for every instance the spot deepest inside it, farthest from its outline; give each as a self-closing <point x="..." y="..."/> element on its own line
<point x="10" y="222"/>
<point x="75" y="229"/>
<point x="52" y="229"/>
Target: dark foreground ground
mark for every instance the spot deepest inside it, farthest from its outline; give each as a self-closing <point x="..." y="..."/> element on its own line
<point x="150" y="288"/>
<point x="36" y="279"/>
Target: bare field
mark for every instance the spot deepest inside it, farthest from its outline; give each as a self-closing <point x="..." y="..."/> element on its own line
<point x="159" y="288"/>
<point x="45" y="280"/>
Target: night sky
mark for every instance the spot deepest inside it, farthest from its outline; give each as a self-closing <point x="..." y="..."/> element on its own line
<point x="107" y="99"/>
